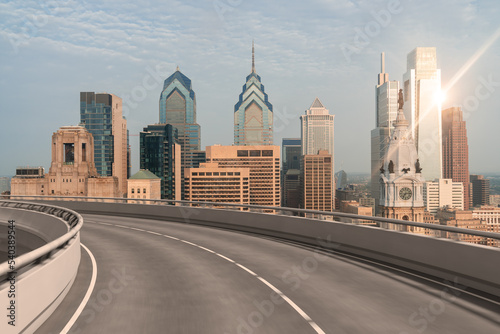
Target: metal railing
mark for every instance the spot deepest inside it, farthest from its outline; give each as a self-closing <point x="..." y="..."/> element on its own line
<point x="377" y="222"/>
<point x="73" y="219"/>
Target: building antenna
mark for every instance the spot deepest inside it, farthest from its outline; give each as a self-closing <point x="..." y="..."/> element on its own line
<point x="253" y="57"/>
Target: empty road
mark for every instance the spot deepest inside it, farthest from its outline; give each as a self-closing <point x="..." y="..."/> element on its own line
<point x="165" y="277"/>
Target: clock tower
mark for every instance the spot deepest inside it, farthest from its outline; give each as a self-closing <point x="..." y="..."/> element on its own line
<point x="401" y="181"/>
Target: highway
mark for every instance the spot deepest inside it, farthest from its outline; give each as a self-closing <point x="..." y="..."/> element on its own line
<point x="166" y="277"/>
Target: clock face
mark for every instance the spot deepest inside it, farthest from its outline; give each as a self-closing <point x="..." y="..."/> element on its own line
<point x="405" y="193"/>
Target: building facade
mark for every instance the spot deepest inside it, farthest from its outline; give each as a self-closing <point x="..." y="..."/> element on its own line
<point x="317" y="181"/>
<point x="101" y="115"/>
<point x="443" y="193"/>
<point x="291" y="152"/>
<point x="178" y="108"/>
<point x="480" y="190"/>
<point x="211" y="183"/>
<point x="422" y="98"/>
<point x="72" y="171"/>
<point x="253" y="114"/>
<point x="264" y="164"/>
<point x="487" y="214"/>
<point x="161" y="155"/>
<point x="144" y="185"/>
<point x="386" y="109"/>
<point x="401" y="181"/>
<point x="317" y="130"/>
<point x="456" y="150"/>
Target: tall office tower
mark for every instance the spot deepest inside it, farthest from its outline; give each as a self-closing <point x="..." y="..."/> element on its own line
<point x="101" y="115"/>
<point x="178" y="108"/>
<point x="386" y="109"/>
<point x="341" y="179"/>
<point x="480" y="190"/>
<point x="211" y="183"/>
<point x="253" y="114"/>
<point x="161" y="155"/>
<point x="264" y="164"/>
<point x="401" y="178"/>
<point x="317" y="130"/>
<point x="291" y="152"/>
<point x="456" y="150"/>
<point x="422" y="97"/>
<point x="317" y="181"/>
<point x="443" y="193"/>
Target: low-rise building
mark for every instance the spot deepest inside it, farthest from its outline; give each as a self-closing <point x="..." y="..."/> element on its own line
<point x="144" y="185"/>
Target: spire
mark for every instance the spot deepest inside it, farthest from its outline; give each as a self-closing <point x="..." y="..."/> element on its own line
<point x="382" y="77"/>
<point x="253" y="58"/>
<point x="178" y="69"/>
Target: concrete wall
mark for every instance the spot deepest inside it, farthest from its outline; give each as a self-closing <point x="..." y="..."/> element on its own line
<point x="39" y="289"/>
<point x="470" y="265"/>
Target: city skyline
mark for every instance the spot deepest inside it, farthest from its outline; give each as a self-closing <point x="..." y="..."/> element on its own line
<point x="297" y="64"/>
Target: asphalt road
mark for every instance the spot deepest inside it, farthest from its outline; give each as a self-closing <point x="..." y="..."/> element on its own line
<point x="179" y="278"/>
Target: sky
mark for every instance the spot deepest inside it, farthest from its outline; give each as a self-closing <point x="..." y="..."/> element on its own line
<point x="50" y="51"/>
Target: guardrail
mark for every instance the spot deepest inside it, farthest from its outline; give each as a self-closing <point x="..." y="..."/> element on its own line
<point x="39" y="279"/>
<point x="447" y="232"/>
<point x="74" y="220"/>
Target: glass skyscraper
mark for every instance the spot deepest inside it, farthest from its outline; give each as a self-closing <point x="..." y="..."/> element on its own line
<point x="422" y="94"/>
<point x="386" y="110"/>
<point x="253" y="114"/>
<point x="160" y="154"/>
<point x="178" y="108"/>
<point x="317" y="129"/>
<point x="290" y="185"/>
<point x="101" y="115"/>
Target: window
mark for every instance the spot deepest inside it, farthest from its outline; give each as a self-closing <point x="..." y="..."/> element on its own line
<point x="84" y="151"/>
<point x="138" y="190"/>
<point x="132" y="191"/>
<point x="144" y="191"/>
<point x="242" y="153"/>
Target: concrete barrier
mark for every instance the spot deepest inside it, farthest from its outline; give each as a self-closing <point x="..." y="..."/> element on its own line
<point x="472" y="266"/>
<point x="37" y="289"/>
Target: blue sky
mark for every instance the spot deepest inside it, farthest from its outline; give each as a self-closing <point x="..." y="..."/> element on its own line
<point x="52" y="50"/>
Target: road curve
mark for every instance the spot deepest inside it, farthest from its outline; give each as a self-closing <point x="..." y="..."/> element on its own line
<point x="165" y="277"/>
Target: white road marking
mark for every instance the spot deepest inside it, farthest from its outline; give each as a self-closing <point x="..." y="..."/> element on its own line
<point x="246" y="269"/>
<point x="272" y="287"/>
<point x="225" y="258"/>
<point x="86" y="298"/>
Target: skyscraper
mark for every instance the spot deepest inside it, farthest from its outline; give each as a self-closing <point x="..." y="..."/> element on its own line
<point x="317" y="129"/>
<point x="480" y="190"/>
<point x="291" y="152"/>
<point x="161" y="155"/>
<point x="317" y="181"/>
<point x="253" y="114"/>
<point x="422" y="96"/>
<point x="456" y="150"/>
<point x="178" y="108"/>
<point x="101" y="115"/>
<point x="386" y="109"/>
